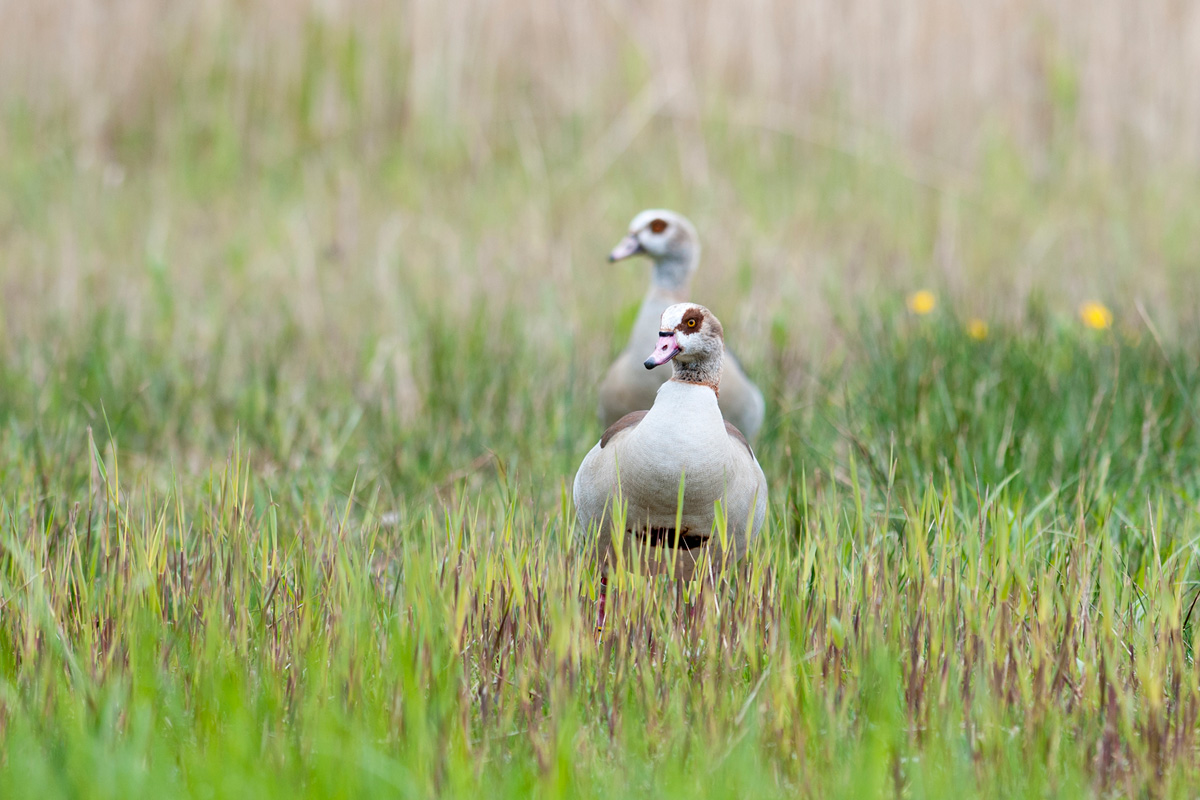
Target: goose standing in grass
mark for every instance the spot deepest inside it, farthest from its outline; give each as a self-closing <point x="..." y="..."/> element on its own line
<point x="670" y="240"/>
<point x="641" y="459"/>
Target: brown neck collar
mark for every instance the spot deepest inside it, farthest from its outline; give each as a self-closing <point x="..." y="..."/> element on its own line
<point x="700" y="373"/>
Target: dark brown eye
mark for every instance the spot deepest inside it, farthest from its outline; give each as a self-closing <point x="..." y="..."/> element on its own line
<point x="658" y="226"/>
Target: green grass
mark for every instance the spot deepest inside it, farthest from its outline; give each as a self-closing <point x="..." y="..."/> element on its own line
<point x="286" y="444"/>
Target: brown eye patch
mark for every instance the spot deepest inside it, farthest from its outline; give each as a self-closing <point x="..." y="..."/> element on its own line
<point x="658" y="226"/>
<point x="692" y="319"/>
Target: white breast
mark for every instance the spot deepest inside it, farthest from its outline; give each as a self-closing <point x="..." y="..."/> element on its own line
<point x="682" y="436"/>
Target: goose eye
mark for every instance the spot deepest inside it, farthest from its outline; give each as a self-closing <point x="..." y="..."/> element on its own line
<point x="658" y="226"/>
<point x="691" y="323"/>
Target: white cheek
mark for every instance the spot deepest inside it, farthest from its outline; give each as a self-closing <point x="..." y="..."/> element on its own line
<point x="653" y="244"/>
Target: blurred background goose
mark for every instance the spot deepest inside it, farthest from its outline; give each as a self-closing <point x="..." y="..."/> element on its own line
<point x="670" y="240"/>
<point x="682" y="434"/>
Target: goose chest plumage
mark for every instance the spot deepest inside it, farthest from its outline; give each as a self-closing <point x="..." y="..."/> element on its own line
<point x="640" y="461"/>
<point x="670" y="241"/>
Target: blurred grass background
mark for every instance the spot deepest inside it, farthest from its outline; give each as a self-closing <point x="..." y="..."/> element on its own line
<point x="273" y="273"/>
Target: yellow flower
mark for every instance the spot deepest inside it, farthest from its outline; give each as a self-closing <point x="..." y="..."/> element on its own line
<point x="1096" y="315"/>
<point x="977" y="329"/>
<point x="922" y="302"/>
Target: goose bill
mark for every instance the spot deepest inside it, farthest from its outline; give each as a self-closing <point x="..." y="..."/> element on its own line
<point x="667" y="349"/>
<point x="629" y="246"/>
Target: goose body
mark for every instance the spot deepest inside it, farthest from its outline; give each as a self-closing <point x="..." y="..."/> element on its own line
<point x="641" y="459"/>
<point x="671" y="241"/>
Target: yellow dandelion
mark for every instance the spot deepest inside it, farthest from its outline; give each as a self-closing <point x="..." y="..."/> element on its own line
<point x="977" y="329"/>
<point x="922" y="302"/>
<point x="1096" y="315"/>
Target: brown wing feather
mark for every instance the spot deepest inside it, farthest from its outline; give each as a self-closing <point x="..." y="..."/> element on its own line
<point x="630" y="420"/>
<point x="732" y="430"/>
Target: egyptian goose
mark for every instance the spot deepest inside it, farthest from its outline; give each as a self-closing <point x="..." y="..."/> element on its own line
<point x="670" y="240"/>
<point x="642" y="458"/>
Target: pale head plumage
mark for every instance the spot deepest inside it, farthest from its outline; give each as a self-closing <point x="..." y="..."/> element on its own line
<point x="692" y="337"/>
<point x="669" y="239"/>
<point x="664" y="233"/>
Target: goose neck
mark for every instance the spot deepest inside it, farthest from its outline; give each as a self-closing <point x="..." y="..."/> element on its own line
<point x="673" y="273"/>
<point x="701" y="372"/>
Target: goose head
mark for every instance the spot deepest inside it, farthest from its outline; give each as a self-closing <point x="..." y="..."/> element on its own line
<point x="667" y="238"/>
<point x="692" y="337"/>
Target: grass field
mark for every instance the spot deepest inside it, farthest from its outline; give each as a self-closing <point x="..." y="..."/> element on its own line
<point x="293" y="385"/>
